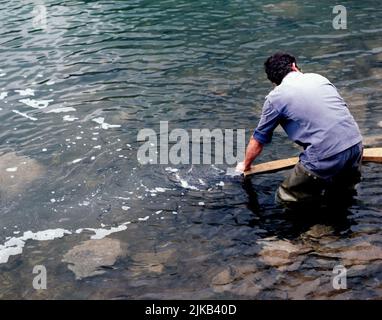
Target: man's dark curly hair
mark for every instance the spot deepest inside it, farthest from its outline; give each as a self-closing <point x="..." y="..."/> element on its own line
<point x="278" y="66"/>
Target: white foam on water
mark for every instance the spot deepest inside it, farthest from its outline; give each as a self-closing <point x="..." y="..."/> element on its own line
<point x="14" y="245"/>
<point x="24" y="115"/>
<point x="3" y="95"/>
<point x="125" y="208"/>
<point x="233" y="172"/>
<point x="98" y="120"/>
<point x="45" y="235"/>
<point x="104" y="125"/>
<point x="37" y="104"/>
<point x="201" y="203"/>
<point x="184" y="183"/>
<point x="121" y="198"/>
<point x="62" y="109"/>
<point x="76" y="160"/>
<point x="69" y="118"/>
<point x="26" y="92"/>
<point x="13" y="169"/>
<point x="157" y="189"/>
<point x="102" y="233"/>
<point x="201" y="182"/>
<point x="6" y="252"/>
<point x="217" y="169"/>
<point x="50" y="82"/>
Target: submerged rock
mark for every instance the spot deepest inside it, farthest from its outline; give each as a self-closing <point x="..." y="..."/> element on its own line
<point x="16" y="172"/>
<point x="232" y="273"/>
<point x="286" y="9"/>
<point x="304" y="289"/>
<point x="359" y="253"/>
<point x="277" y="253"/>
<point x="151" y="261"/>
<point x="86" y="259"/>
<point x="318" y="231"/>
<point x="376" y="73"/>
<point x="243" y="280"/>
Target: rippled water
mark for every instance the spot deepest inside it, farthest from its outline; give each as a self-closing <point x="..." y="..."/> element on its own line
<point x="196" y="64"/>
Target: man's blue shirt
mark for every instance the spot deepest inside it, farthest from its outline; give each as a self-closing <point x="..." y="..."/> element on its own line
<point x="312" y="113"/>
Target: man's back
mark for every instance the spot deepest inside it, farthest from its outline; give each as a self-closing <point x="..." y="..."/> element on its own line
<point x="313" y="114"/>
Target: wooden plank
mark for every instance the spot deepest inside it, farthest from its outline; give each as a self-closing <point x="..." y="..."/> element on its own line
<point x="272" y="166"/>
<point x="369" y="155"/>
<point x="372" y="155"/>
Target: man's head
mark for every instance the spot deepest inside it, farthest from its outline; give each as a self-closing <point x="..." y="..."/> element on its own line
<point x="279" y="65"/>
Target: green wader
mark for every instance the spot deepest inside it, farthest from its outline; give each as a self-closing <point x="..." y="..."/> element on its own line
<point x="303" y="186"/>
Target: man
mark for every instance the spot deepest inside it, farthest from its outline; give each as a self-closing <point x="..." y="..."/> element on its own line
<point x="314" y="115"/>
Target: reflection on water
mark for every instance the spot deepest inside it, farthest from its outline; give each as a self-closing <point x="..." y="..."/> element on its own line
<point x="73" y="96"/>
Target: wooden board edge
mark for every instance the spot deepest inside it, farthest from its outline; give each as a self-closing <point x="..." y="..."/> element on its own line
<point x="369" y="155"/>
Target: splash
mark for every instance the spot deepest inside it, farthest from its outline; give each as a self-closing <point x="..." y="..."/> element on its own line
<point x="184" y="184"/>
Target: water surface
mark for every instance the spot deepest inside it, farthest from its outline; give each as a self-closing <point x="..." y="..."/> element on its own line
<point x="196" y="64"/>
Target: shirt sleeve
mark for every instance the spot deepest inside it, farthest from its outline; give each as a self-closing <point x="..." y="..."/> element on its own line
<point x="270" y="119"/>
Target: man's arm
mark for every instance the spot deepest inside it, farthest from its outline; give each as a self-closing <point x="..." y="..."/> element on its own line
<point x="253" y="150"/>
<point x="270" y="119"/>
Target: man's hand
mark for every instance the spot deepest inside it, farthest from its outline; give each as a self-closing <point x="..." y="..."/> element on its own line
<point x="240" y="167"/>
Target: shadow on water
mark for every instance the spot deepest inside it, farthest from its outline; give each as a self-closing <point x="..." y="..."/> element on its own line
<point x="290" y="222"/>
